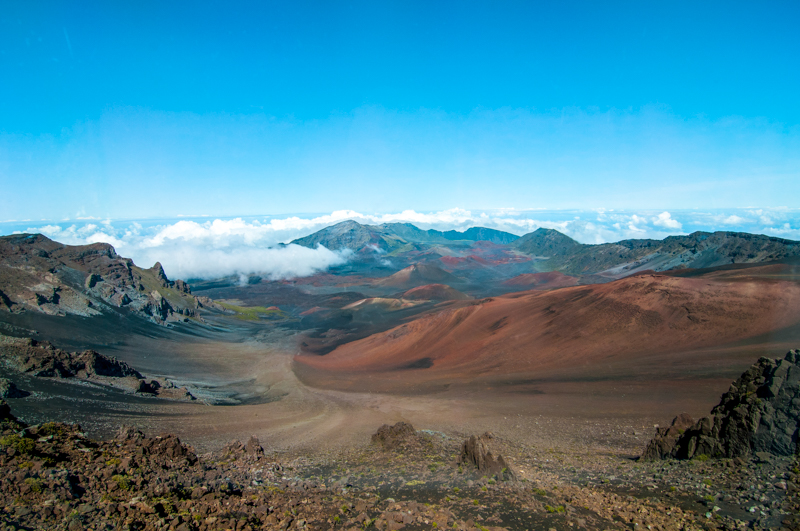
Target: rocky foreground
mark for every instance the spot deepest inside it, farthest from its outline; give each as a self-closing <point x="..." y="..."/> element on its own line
<point x="52" y="476"/>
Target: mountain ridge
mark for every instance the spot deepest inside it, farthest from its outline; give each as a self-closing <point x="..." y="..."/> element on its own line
<point x="41" y="275"/>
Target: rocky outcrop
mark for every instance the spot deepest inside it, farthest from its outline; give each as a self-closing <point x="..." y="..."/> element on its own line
<point x="476" y="451"/>
<point x="9" y="390"/>
<point x="249" y="451"/>
<point x="42" y="359"/>
<point x="662" y="445"/>
<point x="759" y="413"/>
<point x="40" y="275"/>
<point x="165" y="451"/>
<point x="394" y="436"/>
<point x="5" y="412"/>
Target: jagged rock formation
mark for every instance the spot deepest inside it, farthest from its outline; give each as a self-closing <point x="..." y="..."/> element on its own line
<point x="476" y="451"/>
<point x="38" y="274"/>
<point x="43" y="359"/>
<point x="759" y="413"/>
<point x="40" y="358"/>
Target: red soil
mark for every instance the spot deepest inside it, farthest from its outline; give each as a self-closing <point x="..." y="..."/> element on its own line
<point x="580" y="331"/>
<point x="550" y="280"/>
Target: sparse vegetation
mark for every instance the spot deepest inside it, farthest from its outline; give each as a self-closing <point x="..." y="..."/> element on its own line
<point x="22" y="445"/>
<point x="254" y="313"/>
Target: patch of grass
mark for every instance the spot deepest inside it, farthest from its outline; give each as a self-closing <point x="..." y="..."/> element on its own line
<point x="414" y="482"/>
<point x="557" y="509"/>
<point x="113" y="462"/>
<point x="701" y="457"/>
<point x="253" y="313"/>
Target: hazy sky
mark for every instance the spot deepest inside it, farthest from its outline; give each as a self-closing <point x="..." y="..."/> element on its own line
<point x="144" y="109"/>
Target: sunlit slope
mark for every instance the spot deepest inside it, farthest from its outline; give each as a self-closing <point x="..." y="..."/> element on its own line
<point x="534" y="332"/>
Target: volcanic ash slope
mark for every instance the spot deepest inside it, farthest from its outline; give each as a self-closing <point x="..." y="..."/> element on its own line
<point x="535" y="332"/>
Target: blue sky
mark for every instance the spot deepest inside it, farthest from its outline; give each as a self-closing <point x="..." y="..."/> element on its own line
<point x="128" y="110"/>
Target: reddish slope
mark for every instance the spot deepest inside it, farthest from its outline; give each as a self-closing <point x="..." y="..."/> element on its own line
<point x="435" y="292"/>
<point x="538" y="332"/>
<point x="550" y="280"/>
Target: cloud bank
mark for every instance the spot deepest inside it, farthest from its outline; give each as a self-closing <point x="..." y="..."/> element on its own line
<point x="213" y="248"/>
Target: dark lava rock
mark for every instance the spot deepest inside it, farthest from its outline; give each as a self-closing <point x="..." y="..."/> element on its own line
<point x="475" y="451"/>
<point x="5" y="412"/>
<point x="662" y="445"/>
<point x="392" y="436"/>
<point x="759" y="413"/>
<point x="40" y="358"/>
<point x="237" y="448"/>
<point x="9" y="390"/>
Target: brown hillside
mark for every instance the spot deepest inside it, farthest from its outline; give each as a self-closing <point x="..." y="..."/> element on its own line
<point x="535" y="333"/>
<point x="417" y="275"/>
<point x="549" y="280"/>
<point x="435" y="292"/>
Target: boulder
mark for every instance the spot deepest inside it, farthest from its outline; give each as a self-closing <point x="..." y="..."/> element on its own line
<point x="253" y="447"/>
<point x="393" y="436"/>
<point x="759" y="413"/>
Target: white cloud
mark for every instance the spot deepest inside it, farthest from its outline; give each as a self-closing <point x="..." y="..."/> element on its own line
<point x="242" y="246"/>
<point x="785" y="231"/>
<point x="210" y="250"/>
<point x="733" y="219"/>
<point x="665" y="220"/>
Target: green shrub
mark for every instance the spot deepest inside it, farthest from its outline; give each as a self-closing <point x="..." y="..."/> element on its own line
<point x="122" y="482"/>
<point x="20" y="444"/>
<point x="51" y="428"/>
<point x="36" y="485"/>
